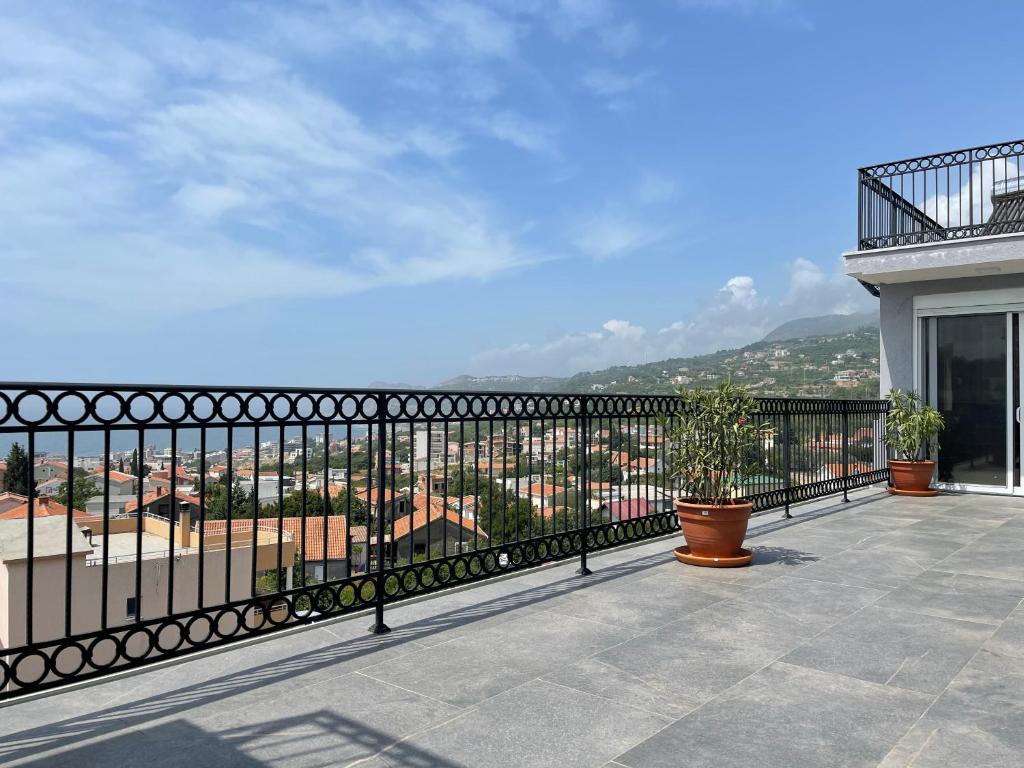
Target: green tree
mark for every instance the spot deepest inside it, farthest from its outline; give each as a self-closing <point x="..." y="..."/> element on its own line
<point x="16" y="476"/>
<point x="217" y="499"/>
<point x="84" y="489"/>
<point x="336" y="505"/>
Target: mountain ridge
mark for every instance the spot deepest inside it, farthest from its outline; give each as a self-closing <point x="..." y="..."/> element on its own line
<point x="818" y="345"/>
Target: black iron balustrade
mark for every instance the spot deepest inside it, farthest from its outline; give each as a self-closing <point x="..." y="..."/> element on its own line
<point x="397" y="493"/>
<point x="948" y="196"/>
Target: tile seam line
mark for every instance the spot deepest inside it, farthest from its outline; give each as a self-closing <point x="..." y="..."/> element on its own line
<point x="940" y="694"/>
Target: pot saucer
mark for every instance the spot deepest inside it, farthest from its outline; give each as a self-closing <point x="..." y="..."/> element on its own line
<point x="684" y="555"/>
<point x="898" y="492"/>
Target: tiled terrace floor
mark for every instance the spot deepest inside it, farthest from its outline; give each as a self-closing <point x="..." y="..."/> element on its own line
<point x="881" y="632"/>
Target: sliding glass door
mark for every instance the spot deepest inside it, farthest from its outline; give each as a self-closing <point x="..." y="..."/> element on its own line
<point x="969" y="378"/>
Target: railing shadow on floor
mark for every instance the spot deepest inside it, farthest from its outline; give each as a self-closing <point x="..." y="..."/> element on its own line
<point x="816" y="514"/>
<point x="116" y="717"/>
<point x="311" y="738"/>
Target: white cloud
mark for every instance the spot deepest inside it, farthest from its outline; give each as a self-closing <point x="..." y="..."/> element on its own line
<point x="181" y="145"/>
<point x="209" y="200"/>
<point x="605" y="82"/>
<point x="736" y="315"/>
<point x="740" y="292"/>
<point x="439" y="27"/>
<point x="653" y="188"/>
<point x="610" y="235"/>
<point x="624" y="329"/>
<point x="520" y="131"/>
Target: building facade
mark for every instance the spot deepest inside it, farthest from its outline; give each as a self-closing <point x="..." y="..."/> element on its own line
<point x="941" y="243"/>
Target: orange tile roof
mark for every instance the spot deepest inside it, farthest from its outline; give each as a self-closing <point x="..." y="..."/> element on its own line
<point x="437" y="511"/>
<point x="371" y="495"/>
<point x="855" y="469"/>
<point x="114" y="475"/>
<point x="42" y="506"/>
<point x="152" y="496"/>
<point x="337" y="543"/>
<point x="542" y="489"/>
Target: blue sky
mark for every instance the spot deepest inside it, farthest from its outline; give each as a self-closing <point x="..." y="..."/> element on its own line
<point x="343" y="193"/>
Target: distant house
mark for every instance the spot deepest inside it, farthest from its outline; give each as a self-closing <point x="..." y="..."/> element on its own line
<point x="14" y="506"/>
<point x="158" y="503"/>
<point x="52" y="486"/>
<point x="629" y="509"/>
<point x="121" y="483"/>
<point x="161" y="479"/>
<point x="835" y="470"/>
<point x="337" y="564"/>
<point x="544" y="494"/>
<point x="49" y="469"/>
<point x="410" y="533"/>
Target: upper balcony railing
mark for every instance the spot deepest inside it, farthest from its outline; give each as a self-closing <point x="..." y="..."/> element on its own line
<point x="949" y="196"/>
<point x="523" y="479"/>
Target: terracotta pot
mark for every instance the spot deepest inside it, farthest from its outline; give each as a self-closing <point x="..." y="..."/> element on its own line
<point x="912" y="476"/>
<point x="711" y="530"/>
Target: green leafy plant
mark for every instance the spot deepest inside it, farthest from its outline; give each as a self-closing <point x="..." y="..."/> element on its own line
<point x="913" y="426"/>
<point x="712" y="443"/>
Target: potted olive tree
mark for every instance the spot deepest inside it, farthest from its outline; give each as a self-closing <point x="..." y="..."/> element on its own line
<point x="713" y="447"/>
<point x="911" y="434"/>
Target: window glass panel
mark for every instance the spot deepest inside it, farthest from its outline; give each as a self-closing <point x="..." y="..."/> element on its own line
<point x="971" y="394"/>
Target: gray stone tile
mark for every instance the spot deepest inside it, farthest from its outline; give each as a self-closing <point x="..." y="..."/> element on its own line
<point x="995" y="554"/>
<point x="882" y="645"/>
<point x="811" y="544"/>
<point x="816" y="605"/>
<point x="701" y="655"/>
<point x="957" y="596"/>
<point x="978" y="720"/>
<point x="596" y="677"/>
<point x="639" y="604"/>
<point x="864" y="524"/>
<point x="536" y="725"/>
<point x="1008" y="641"/>
<point x="469" y="669"/>
<point x="964" y="526"/>
<point x="332" y="723"/>
<point x="925" y="549"/>
<point x="783" y="717"/>
<point x="865" y="568"/>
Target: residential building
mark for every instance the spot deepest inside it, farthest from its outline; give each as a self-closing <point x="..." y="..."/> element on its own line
<point x="117" y="544"/>
<point x="344" y="555"/>
<point x="49" y="469"/>
<point x="544" y="494"/>
<point x="941" y="244"/>
<point x="443" y="528"/>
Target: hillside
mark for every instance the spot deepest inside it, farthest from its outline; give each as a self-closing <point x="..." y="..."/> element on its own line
<point x="841" y="364"/>
<point x="823" y="325"/>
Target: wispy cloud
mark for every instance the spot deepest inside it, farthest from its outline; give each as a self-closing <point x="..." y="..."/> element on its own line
<point x="787" y="11"/>
<point x="190" y="137"/>
<point x="520" y="131"/>
<point x="604" y="82"/>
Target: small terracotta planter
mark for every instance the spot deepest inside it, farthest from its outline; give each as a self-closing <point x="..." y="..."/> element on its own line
<point x="714" y="533"/>
<point x="911" y="478"/>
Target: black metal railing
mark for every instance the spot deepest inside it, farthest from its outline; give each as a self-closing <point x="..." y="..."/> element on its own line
<point x="949" y="196"/>
<point x="394" y="494"/>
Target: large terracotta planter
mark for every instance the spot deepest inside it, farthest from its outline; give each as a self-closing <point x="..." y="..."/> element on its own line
<point x="911" y="478"/>
<point x="714" y="533"/>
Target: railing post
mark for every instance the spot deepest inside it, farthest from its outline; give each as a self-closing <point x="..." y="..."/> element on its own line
<point x="582" y="486"/>
<point x="379" y="627"/>
<point x="786" y="456"/>
<point x="846" y="450"/>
